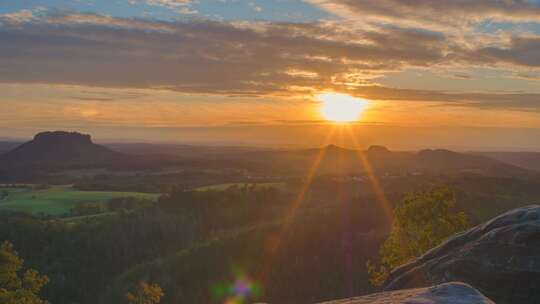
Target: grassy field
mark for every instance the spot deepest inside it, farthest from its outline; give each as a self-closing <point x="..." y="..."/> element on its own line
<point x="58" y="200"/>
<point x="222" y="187"/>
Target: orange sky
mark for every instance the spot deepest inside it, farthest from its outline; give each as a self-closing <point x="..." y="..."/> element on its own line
<point x="121" y="73"/>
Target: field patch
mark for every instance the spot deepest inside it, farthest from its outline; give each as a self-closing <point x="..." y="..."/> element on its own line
<point x="58" y="200"/>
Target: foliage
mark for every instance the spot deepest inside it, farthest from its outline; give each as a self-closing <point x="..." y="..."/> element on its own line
<point x="59" y="200"/>
<point x="322" y="255"/>
<point x="13" y="288"/>
<point x="293" y="274"/>
<point x="145" y="294"/>
<point x="127" y="203"/>
<point x="421" y="222"/>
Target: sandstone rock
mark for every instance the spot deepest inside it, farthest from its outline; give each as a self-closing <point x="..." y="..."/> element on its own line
<point x="449" y="293"/>
<point x="501" y="258"/>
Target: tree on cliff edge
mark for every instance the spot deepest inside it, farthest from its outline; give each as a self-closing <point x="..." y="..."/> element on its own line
<point x="421" y="221"/>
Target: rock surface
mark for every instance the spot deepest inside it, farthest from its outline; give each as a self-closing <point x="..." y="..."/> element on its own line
<point x="449" y="293"/>
<point x="501" y="258"/>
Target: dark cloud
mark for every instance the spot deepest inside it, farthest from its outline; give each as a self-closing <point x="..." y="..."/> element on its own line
<point x="202" y="56"/>
<point x="508" y="101"/>
<point x="521" y="51"/>
<point x="249" y="58"/>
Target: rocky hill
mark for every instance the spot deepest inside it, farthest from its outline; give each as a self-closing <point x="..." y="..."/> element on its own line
<point x="500" y="258"/>
<point x="48" y="148"/>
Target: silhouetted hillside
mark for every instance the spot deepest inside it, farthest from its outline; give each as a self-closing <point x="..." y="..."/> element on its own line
<point x="6" y="146"/>
<point x="48" y="148"/>
<point x="527" y="160"/>
<point x="336" y="160"/>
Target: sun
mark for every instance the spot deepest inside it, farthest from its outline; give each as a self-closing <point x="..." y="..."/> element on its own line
<point x="341" y="108"/>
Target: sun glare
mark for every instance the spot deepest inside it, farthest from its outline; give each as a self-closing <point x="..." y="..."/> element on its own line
<point x="341" y="108"/>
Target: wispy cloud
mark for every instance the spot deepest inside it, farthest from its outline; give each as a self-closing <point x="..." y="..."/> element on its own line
<point x="434" y="13"/>
<point x="180" y="6"/>
<point x="265" y="58"/>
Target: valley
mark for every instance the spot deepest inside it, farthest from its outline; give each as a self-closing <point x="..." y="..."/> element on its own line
<point x="196" y="223"/>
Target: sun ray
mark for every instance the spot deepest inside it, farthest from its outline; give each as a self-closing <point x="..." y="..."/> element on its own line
<point x="275" y="240"/>
<point x="372" y="177"/>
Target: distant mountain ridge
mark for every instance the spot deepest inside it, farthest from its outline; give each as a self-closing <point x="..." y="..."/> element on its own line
<point x="338" y="160"/>
<point x="51" y="152"/>
<point x="527" y="160"/>
<point x="59" y="147"/>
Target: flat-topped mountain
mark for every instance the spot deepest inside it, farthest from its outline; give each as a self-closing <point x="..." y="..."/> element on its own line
<point x="59" y="147"/>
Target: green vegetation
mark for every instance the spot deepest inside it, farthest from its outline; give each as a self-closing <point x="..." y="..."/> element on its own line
<point x="145" y="294"/>
<point x="421" y="221"/>
<point x="196" y="244"/>
<point x="14" y="288"/>
<point x="243" y="227"/>
<point x="222" y="187"/>
<point x="58" y="200"/>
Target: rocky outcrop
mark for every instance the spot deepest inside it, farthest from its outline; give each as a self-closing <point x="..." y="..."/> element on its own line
<point x="449" y="293"/>
<point x="501" y="258"/>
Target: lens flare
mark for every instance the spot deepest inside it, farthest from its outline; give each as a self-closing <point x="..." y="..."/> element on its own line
<point x="239" y="291"/>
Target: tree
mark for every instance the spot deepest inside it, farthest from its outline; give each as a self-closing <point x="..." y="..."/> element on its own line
<point x="145" y="294"/>
<point x="421" y="221"/>
<point x="15" y="289"/>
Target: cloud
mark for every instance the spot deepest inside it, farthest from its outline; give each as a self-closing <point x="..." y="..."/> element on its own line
<point x="169" y="3"/>
<point x="202" y="56"/>
<point x="528" y="75"/>
<point x="180" y="6"/>
<point x="248" y="58"/>
<point x="529" y="102"/>
<point x="22" y="16"/>
<point x="521" y="51"/>
<point x="255" y="7"/>
<point x="19" y="17"/>
<point x="434" y="13"/>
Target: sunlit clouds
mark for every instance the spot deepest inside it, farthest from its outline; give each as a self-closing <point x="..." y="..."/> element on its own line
<point x="440" y="63"/>
<point x="435" y="14"/>
<point x="253" y="58"/>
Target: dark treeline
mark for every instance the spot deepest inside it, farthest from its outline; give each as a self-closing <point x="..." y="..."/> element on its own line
<point x="190" y="242"/>
<point x="80" y="259"/>
<point x="83" y="259"/>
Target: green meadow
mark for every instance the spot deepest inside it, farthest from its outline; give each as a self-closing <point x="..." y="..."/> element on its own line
<point x="58" y="200"/>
